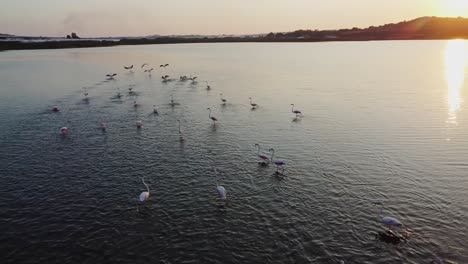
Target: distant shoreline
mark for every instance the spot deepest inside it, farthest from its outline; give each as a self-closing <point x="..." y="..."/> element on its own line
<point x="423" y="28"/>
<point x="18" y="45"/>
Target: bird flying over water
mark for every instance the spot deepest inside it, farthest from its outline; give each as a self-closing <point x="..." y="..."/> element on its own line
<point x="111" y="76"/>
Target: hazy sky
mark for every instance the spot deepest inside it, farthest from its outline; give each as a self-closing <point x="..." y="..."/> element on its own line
<point x="91" y="18"/>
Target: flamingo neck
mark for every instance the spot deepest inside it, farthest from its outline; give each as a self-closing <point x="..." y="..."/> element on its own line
<point x="147" y="188"/>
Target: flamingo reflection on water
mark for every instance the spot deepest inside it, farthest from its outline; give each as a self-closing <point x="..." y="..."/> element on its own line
<point x="181" y="136"/>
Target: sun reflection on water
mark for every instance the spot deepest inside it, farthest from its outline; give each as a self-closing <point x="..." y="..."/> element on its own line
<point x="455" y="64"/>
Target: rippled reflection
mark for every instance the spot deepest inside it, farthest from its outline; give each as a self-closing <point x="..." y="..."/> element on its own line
<point x="455" y="64"/>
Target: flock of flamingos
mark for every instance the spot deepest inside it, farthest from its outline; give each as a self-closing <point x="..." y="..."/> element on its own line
<point x="390" y="235"/>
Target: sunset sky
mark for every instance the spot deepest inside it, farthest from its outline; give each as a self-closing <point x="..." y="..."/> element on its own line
<point x="92" y="18"/>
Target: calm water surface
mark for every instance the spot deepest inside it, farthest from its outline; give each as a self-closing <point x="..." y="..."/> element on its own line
<point x="383" y="121"/>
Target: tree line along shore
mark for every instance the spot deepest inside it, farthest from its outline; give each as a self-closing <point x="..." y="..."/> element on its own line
<point x="423" y="28"/>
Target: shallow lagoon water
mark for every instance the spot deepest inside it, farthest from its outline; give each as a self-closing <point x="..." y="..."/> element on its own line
<point x="383" y="121"/>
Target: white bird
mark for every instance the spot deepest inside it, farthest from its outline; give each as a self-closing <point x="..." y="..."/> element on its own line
<point x="211" y="117"/>
<point x="155" y="110"/>
<point x="220" y="189"/>
<point x="144" y="64"/>
<point x="128" y="67"/>
<point x="85" y="92"/>
<point x="254" y="105"/>
<point x="296" y="112"/>
<point x="388" y="220"/>
<point x="165" y="77"/>
<point x="221" y="192"/>
<point x="222" y="99"/>
<point x="149" y="70"/>
<point x="135" y="104"/>
<point x="193" y="78"/>
<point x="139" y="124"/>
<point x="144" y="196"/>
<point x="103" y="126"/>
<point x="64" y="130"/>
<point x="164" y="65"/>
<point x="208" y="87"/>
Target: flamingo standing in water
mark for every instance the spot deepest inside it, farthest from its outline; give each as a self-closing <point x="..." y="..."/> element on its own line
<point x="144" y="196"/>
<point x="211" y="117"/>
<point x="135" y="104"/>
<point x="222" y="99"/>
<point x="155" y="110"/>
<point x="219" y="188"/>
<point x="103" y="126"/>
<point x="139" y="124"/>
<point x="279" y="163"/>
<point x="85" y="93"/>
<point x="264" y="157"/>
<point x="254" y="105"/>
<point x="296" y="112"/>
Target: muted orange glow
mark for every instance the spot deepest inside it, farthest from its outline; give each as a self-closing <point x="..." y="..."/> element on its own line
<point x="455" y="64"/>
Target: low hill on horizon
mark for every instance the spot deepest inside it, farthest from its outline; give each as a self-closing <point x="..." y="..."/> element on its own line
<point x="419" y="28"/>
<point x="423" y="28"/>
